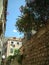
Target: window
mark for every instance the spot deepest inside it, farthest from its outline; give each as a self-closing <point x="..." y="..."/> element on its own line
<point x="5" y="49"/>
<point x="11" y="50"/>
<point x="0" y="45"/>
<point x="0" y="52"/>
<point x="18" y="43"/>
<point x="13" y="45"/>
<point x="12" y="42"/>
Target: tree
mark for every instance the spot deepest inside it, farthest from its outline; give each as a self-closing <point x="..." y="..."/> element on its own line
<point x="25" y="23"/>
<point x="18" y="56"/>
<point x="39" y="10"/>
<point x="34" y="15"/>
<point x="16" y="52"/>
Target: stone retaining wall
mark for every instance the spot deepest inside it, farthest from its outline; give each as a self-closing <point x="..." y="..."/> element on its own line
<point x="37" y="49"/>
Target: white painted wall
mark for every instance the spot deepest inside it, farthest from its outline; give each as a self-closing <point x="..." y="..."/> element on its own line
<point x="1" y="7"/>
<point x="17" y="46"/>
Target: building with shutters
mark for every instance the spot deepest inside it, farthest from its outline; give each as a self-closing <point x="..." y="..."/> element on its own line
<point x="11" y="45"/>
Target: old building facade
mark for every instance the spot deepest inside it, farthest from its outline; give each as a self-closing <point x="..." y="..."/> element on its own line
<point x="3" y="10"/>
<point x="11" y="45"/>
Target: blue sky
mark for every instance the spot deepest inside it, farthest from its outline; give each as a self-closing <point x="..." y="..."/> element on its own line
<point x="14" y="12"/>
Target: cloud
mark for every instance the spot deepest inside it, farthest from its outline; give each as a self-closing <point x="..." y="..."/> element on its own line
<point x="15" y="31"/>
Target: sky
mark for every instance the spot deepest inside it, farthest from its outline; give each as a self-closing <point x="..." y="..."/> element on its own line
<point x="13" y="11"/>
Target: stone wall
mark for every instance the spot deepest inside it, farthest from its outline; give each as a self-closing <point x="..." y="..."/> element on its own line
<point x="37" y="49"/>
